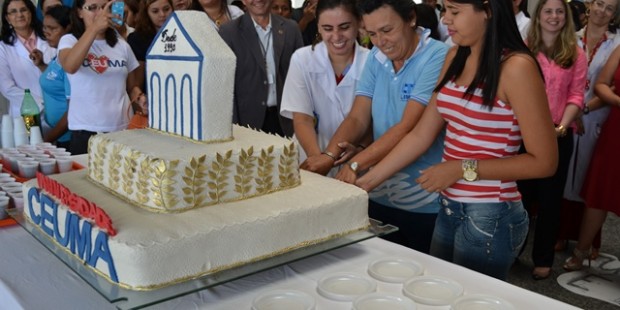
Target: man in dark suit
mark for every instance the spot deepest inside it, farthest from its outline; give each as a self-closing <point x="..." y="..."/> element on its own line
<point x="263" y="44"/>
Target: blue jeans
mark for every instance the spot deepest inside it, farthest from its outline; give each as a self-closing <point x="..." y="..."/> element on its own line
<point x="485" y="237"/>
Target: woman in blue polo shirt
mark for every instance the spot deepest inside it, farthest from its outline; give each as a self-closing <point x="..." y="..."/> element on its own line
<point x="393" y="91"/>
<point x="53" y="80"/>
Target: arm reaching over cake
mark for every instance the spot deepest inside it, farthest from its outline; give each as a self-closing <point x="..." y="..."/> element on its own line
<point x="320" y="85"/>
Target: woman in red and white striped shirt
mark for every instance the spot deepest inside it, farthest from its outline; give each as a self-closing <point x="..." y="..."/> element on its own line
<point x="490" y="98"/>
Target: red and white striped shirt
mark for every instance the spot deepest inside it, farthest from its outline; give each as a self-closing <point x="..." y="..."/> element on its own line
<point x="474" y="132"/>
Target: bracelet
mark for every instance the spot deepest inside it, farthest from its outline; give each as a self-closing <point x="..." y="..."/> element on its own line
<point x="330" y="155"/>
<point x="361" y="146"/>
<point x="562" y="130"/>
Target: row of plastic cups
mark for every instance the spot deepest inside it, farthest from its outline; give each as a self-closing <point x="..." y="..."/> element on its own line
<point x="27" y="167"/>
<point x="23" y="163"/>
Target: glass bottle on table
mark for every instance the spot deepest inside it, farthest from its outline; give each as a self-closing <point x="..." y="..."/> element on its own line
<point x="30" y="111"/>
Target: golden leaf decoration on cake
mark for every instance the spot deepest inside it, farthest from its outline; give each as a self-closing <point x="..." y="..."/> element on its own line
<point x="245" y="169"/>
<point x="99" y="158"/>
<point x="218" y="174"/>
<point x="193" y="178"/>
<point x="130" y="162"/>
<point x="142" y="185"/>
<point x="162" y="183"/>
<point x="114" y="166"/>
<point x="288" y="166"/>
<point x="265" y="170"/>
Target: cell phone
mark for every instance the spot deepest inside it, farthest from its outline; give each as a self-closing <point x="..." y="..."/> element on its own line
<point x="118" y="8"/>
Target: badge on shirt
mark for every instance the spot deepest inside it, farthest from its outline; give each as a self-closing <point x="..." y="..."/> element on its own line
<point x="405" y="92"/>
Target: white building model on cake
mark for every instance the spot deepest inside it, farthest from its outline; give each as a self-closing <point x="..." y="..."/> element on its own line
<point x="190" y="79"/>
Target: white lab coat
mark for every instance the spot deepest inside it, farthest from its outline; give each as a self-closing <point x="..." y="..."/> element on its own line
<point x="18" y="72"/>
<point x="311" y="89"/>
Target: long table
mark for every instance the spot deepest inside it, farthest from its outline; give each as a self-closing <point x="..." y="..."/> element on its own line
<point x="31" y="277"/>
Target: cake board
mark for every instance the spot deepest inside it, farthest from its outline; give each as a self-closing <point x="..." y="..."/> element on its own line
<point x="129" y="299"/>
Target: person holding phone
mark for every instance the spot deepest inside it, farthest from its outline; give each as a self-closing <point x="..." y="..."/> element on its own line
<point x="100" y="69"/>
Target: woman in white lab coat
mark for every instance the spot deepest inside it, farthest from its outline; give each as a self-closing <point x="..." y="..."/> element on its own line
<point x="21" y="42"/>
<point x="320" y="84"/>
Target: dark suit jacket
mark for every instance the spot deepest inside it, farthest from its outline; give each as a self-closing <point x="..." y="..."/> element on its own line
<point x="251" y="86"/>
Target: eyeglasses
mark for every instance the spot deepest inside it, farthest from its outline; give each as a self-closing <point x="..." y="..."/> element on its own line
<point x="608" y="8"/>
<point x="93" y="7"/>
<point x="23" y="10"/>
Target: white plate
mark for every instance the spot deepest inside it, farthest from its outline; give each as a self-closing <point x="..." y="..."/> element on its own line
<point x="283" y="300"/>
<point x="345" y="286"/>
<point x="381" y="301"/>
<point x="394" y="269"/>
<point x="432" y="290"/>
<point x="481" y="302"/>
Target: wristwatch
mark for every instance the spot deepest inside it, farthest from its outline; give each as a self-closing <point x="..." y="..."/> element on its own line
<point x="586" y="110"/>
<point x="353" y="165"/>
<point x="470" y="170"/>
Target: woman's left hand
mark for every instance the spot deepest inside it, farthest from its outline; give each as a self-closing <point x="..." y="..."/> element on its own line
<point x="346" y="174"/>
<point x="37" y="57"/>
<point x="441" y="176"/>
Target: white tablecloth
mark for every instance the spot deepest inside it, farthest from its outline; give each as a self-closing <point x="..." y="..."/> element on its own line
<point x="32" y="278"/>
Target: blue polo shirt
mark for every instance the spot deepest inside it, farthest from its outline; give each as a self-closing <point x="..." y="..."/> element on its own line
<point x="56" y="90"/>
<point x="390" y="93"/>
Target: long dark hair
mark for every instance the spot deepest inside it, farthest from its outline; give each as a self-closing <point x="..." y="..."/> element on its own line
<point x="501" y="38"/>
<point x="78" y="27"/>
<point x="8" y="34"/>
<point x="144" y="24"/>
<point x="196" y="6"/>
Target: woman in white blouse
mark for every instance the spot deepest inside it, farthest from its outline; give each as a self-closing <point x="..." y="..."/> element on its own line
<point x="320" y="84"/>
<point x="22" y="41"/>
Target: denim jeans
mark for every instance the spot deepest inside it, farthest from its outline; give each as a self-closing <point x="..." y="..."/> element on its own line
<point x="485" y="237"/>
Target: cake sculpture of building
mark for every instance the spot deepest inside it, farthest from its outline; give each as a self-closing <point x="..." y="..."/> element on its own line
<point x="190" y="79"/>
<point x="192" y="195"/>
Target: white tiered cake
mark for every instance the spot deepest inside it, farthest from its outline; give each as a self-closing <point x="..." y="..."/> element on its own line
<point x="230" y="203"/>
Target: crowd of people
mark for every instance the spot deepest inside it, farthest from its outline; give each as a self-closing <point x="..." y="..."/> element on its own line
<point x="463" y="120"/>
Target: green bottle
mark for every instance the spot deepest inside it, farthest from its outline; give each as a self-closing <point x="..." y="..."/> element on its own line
<point x="30" y="111"/>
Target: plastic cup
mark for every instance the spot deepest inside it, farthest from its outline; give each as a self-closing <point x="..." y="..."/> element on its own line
<point x="28" y="169"/>
<point x="64" y="164"/>
<point x="18" y="200"/>
<point x="19" y="126"/>
<point x="20" y="138"/>
<point x="57" y="154"/>
<point x="47" y="166"/>
<point x="13" y="159"/>
<point x="8" y="139"/>
<point x="24" y="148"/>
<point x="7" y="123"/>
<point x="35" y="135"/>
<point x="5" y="180"/>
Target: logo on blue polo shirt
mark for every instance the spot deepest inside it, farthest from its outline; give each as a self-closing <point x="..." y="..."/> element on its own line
<point x="405" y="92"/>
